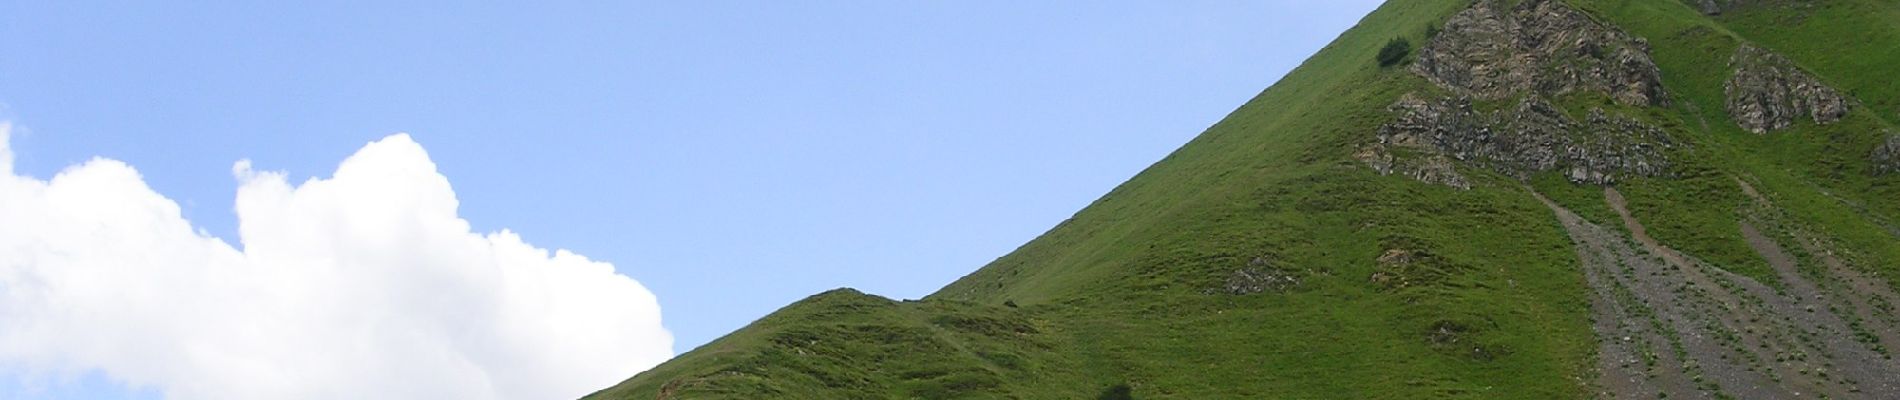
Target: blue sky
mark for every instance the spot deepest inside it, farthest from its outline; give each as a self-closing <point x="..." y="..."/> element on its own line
<point x="732" y="157"/>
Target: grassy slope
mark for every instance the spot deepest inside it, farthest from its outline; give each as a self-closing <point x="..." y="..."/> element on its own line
<point x="1117" y="294"/>
<point x="1819" y="174"/>
<point x="846" y="344"/>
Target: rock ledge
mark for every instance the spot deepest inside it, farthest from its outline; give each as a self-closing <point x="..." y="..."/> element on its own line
<point x="1768" y="92"/>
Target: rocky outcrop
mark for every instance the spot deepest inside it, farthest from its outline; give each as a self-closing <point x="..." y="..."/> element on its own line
<point x="1531" y="137"/>
<point x="1768" y="92"/>
<point x="1407" y="264"/>
<point x="1528" y="53"/>
<point x="1260" y="275"/>
<point x="1419" y="144"/>
<point x="1611" y="144"/>
<point x="1495" y="51"/>
<point x="1887" y="156"/>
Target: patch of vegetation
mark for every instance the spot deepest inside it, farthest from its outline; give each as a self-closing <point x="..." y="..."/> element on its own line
<point x="1394" y="52"/>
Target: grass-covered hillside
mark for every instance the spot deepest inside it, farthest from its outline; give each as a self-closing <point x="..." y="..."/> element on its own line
<point x="1369" y="231"/>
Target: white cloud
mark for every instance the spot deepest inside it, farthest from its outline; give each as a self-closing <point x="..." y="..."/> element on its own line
<point x="366" y="285"/>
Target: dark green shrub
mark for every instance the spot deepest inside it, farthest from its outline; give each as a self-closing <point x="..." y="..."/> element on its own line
<point x="1394" y="52"/>
<point x="1117" y="392"/>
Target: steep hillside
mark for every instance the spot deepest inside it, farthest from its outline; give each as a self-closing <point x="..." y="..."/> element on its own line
<point x="1541" y="199"/>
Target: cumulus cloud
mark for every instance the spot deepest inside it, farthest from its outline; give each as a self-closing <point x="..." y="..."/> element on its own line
<point x="365" y="285"/>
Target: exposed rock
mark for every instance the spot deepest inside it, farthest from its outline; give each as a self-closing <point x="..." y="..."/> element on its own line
<point x="1887" y="156"/>
<point x="1767" y="92"/>
<point x="1532" y="137"/>
<point x="1428" y="167"/>
<point x="1458" y="338"/>
<point x="1535" y="50"/>
<point x="1611" y="144"/>
<point x="1411" y="146"/>
<point x="1254" y="280"/>
<point x="1390" y="265"/>
<point x="1495" y="51"/>
<point x="1402" y="266"/>
<point x="1260" y="275"/>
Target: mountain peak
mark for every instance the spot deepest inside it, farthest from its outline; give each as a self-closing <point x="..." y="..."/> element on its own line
<point x="1544" y="199"/>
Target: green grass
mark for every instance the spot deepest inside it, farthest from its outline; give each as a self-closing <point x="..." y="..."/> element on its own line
<point x="1819" y="174"/>
<point x="1126" y="291"/>
<point x="846" y="344"/>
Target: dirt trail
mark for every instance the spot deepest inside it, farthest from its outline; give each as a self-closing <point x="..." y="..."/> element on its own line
<point x="1868" y="292"/>
<point x="1716" y="322"/>
<point x="1863" y="299"/>
<point x="1630" y="350"/>
<point x="1671" y="324"/>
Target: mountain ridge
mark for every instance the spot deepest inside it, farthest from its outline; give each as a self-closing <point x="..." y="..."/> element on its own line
<point x="1438" y="229"/>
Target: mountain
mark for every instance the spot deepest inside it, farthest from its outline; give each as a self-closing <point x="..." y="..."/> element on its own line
<point x="1522" y="199"/>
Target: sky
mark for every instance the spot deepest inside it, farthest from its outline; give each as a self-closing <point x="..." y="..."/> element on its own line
<point x="320" y="200"/>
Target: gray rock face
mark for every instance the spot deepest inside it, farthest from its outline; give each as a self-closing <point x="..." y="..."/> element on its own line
<point x="1527" y="53"/>
<point x="1887" y="156"/>
<point x="1494" y="51"/>
<point x="1417" y="145"/>
<point x="1531" y="137"/>
<point x="1615" y="144"/>
<point x="1768" y="92"/>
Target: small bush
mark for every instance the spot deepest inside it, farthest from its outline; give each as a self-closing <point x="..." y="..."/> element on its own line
<point x="1117" y="392"/>
<point x="1394" y="52"/>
